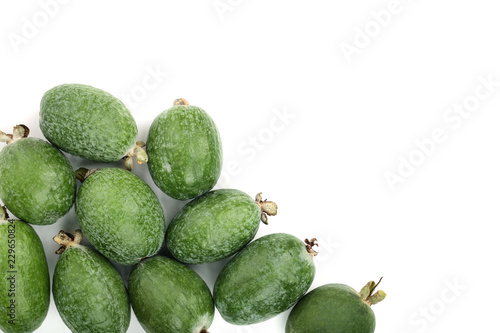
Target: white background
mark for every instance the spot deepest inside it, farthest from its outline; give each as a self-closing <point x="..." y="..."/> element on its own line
<point x="316" y="114"/>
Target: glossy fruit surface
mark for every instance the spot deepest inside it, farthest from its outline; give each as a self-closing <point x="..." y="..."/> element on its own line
<point x="333" y="308"/>
<point x="25" y="281"/>
<point x="264" y="279"/>
<point x="37" y="183"/>
<point x="185" y="151"/>
<point x="89" y="293"/>
<point x="120" y="215"/>
<point x="87" y="122"/>
<point x="214" y="226"/>
<point x="168" y="297"/>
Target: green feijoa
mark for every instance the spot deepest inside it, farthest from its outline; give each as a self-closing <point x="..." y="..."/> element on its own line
<point x="91" y="123"/>
<point x="120" y="215"/>
<point x="216" y="225"/>
<point x="168" y="297"/>
<point x="37" y="183"/>
<point x="335" y="308"/>
<point x="185" y="151"/>
<point x="25" y="281"/>
<point x="89" y="293"/>
<point x="264" y="279"/>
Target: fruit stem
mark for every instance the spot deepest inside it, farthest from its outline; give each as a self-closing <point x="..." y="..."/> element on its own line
<point x="268" y="208"/>
<point x="139" y="152"/>
<point x="309" y="246"/>
<point x="68" y="240"/>
<point x="20" y="131"/>
<point x="180" y="101"/>
<point x="367" y="293"/>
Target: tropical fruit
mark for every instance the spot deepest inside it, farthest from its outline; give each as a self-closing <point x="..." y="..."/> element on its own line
<point x="184" y="150"/>
<point x="90" y="123"/>
<point x="335" y="308"/>
<point x="88" y="290"/>
<point x="37" y="183"/>
<point x="120" y="215"/>
<point x="25" y="281"/>
<point x="168" y="297"/>
<point x="264" y="279"/>
<point x="216" y="225"/>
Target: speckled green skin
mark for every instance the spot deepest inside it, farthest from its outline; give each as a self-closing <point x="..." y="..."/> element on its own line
<point x="213" y="226"/>
<point x="120" y="215"/>
<point x="264" y="279"/>
<point x="332" y="308"/>
<point x="89" y="293"/>
<point x="37" y="183"/>
<point x="87" y="122"/>
<point x="168" y="297"/>
<point x="185" y="152"/>
<point x="32" y="281"/>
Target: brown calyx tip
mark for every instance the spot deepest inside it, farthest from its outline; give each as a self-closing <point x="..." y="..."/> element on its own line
<point x="4" y="216"/>
<point x="82" y="173"/>
<point x="180" y="101"/>
<point x="65" y="239"/>
<point x="203" y="330"/>
<point x="268" y="208"/>
<point x="20" y="131"/>
<point x="310" y="244"/>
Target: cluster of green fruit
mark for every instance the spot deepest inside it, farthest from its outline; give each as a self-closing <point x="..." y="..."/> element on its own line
<point x="122" y="218"/>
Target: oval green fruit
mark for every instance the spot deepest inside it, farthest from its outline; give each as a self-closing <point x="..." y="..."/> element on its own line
<point x="37" y="183"/>
<point x="216" y="225"/>
<point x="120" y="215"/>
<point x="264" y="279"/>
<point x="168" y="297"/>
<point x="89" y="293"/>
<point x="185" y="151"/>
<point x="88" y="122"/>
<point x="335" y="308"/>
<point x="25" y="281"/>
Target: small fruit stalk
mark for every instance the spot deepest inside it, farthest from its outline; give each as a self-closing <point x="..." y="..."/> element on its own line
<point x="89" y="293"/>
<point x="368" y="294"/>
<point x="19" y="132"/>
<point x="139" y="152"/>
<point x="268" y="208"/>
<point x="66" y="240"/>
<point x="36" y="179"/>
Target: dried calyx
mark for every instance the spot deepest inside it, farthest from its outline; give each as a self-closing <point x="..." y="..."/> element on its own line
<point x="203" y="330"/>
<point x="368" y="294"/>
<point x="180" y="101"/>
<point x="139" y="152"/>
<point x="310" y="244"/>
<point x="268" y="208"/>
<point x="82" y="173"/>
<point x="66" y="240"/>
<point x="4" y="216"/>
<point x="19" y="132"/>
